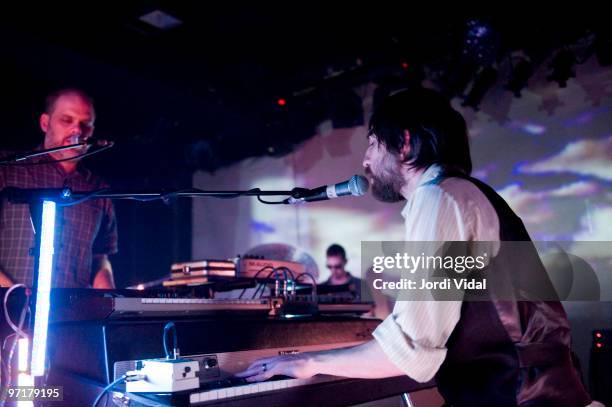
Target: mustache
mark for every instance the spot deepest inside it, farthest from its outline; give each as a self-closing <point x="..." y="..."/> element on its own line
<point x="370" y="175"/>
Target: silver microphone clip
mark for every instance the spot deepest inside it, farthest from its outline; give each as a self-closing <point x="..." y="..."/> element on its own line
<point x="95" y="142"/>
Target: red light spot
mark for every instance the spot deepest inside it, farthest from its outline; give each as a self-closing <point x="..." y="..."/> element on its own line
<point x="598" y="335"/>
<point x="405" y="65"/>
<point x="599" y="345"/>
<point x="281" y="102"/>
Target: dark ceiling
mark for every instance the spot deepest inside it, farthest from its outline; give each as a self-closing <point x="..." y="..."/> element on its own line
<point x="204" y="94"/>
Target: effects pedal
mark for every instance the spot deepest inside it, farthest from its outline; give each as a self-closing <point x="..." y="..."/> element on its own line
<point x="164" y="376"/>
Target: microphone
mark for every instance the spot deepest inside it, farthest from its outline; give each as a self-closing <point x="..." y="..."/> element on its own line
<point x="96" y="142"/>
<point x="356" y="186"/>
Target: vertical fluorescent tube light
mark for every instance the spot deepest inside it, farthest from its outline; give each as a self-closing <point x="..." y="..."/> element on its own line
<point x="43" y="291"/>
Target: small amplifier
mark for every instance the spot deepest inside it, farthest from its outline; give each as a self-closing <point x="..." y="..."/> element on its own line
<point x="200" y="272"/>
<point x="249" y="267"/>
<point x="601" y="366"/>
<point x="200" y="268"/>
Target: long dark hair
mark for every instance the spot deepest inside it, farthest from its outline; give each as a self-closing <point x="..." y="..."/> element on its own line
<point x="438" y="133"/>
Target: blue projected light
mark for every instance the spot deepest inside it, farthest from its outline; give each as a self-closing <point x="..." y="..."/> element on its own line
<point x="534" y="129"/>
<point x="43" y="291"/>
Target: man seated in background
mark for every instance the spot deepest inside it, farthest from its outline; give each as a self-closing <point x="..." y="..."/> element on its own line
<point x="336" y="263"/>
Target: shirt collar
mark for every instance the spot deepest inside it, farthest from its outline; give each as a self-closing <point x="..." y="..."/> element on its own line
<point x="429" y="176"/>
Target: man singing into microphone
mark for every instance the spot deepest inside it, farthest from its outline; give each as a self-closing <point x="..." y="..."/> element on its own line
<point x="86" y="233"/>
<point x="480" y="353"/>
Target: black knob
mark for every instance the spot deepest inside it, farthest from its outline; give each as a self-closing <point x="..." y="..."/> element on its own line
<point x="210" y="363"/>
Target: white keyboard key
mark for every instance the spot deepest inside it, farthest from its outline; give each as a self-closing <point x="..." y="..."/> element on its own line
<point x="267" y="386"/>
<point x="211" y="395"/>
<point x="253" y="388"/>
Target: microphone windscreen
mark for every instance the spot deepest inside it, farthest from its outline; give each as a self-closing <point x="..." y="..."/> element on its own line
<point x="358" y="185"/>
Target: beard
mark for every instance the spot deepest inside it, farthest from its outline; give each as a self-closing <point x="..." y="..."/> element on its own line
<point x="387" y="185"/>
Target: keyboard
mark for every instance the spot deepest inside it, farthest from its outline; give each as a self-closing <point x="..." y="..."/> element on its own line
<point x="241" y="388"/>
<point x="99" y="308"/>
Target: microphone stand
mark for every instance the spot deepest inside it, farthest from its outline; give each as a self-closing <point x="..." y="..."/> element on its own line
<point x="24" y="156"/>
<point x="67" y="197"/>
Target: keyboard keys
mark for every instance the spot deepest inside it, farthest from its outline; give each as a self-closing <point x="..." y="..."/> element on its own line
<point x="236" y="387"/>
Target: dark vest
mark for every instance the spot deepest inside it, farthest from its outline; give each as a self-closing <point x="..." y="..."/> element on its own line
<point x="510" y="353"/>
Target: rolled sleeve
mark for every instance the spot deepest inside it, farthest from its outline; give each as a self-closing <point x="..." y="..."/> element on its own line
<point x="106" y="240"/>
<point x="414" y="336"/>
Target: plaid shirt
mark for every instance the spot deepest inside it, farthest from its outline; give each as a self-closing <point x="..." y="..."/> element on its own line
<point x="82" y="230"/>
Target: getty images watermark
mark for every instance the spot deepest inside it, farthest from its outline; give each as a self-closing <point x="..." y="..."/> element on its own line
<point x="479" y="271"/>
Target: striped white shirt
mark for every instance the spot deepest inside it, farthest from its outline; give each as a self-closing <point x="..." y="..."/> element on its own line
<point x="453" y="209"/>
